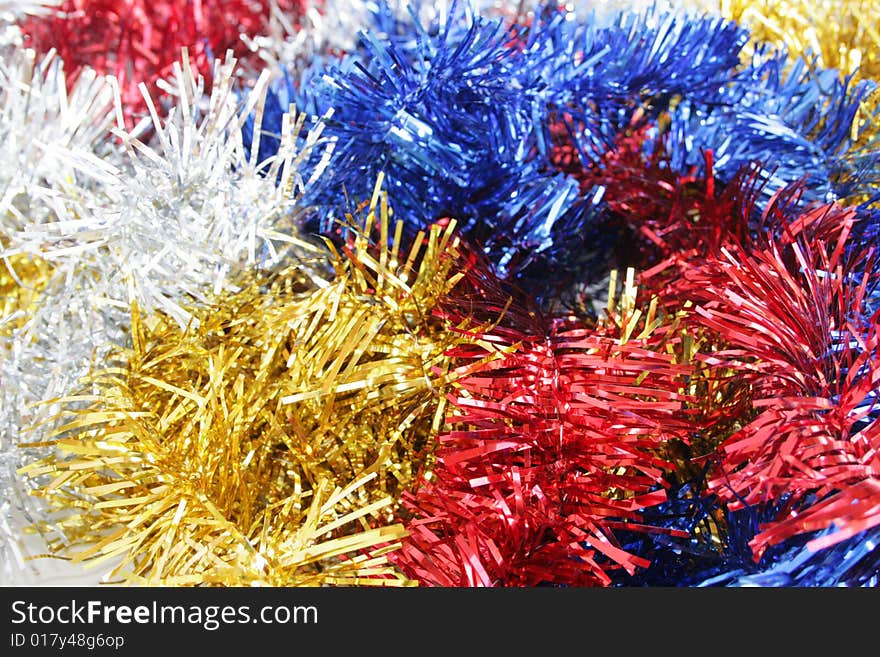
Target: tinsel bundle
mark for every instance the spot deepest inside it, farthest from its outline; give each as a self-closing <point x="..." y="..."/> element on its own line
<point x="490" y="294"/>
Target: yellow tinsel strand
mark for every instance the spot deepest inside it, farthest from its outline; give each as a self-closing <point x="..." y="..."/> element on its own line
<point x="22" y="278"/>
<point x="269" y="442"/>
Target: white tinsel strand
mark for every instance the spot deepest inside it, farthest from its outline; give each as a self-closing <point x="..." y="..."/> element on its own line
<point x="47" y="136"/>
<point x="15" y="9"/>
<point x="67" y="332"/>
<point x="332" y="27"/>
<point x="164" y="224"/>
<point x="286" y="46"/>
<point x="12" y="11"/>
<point x="188" y="209"/>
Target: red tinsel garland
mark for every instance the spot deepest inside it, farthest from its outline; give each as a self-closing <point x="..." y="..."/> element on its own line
<point x="139" y="41"/>
<point x="551" y="447"/>
<point x="791" y="310"/>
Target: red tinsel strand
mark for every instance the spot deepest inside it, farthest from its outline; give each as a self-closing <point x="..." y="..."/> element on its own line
<point x="551" y="445"/>
<point x="790" y="309"/>
<point x="139" y="41"/>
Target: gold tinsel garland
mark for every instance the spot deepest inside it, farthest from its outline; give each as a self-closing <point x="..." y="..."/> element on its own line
<point x="269" y="442"/>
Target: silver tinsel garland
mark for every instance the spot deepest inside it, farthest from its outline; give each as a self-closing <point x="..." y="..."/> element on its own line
<point x="161" y="215"/>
